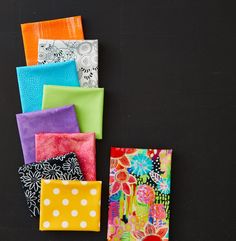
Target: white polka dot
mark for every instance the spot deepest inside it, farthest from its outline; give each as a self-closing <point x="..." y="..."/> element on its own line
<point x="74" y="213"/>
<point x="74" y="191"/>
<point x="46" y="224"/>
<point x="65" y="182"/>
<point x="92" y="213"/>
<point x="56" y="213"/>
<point x="65" y="202"/>
<point x="56" y="191"/>
<point x="93" y="191"/>
<point x="47" y="181"/>
<point x="83" y="224"/>
<point x="84" y="202"/>
<point x="84" y="183"/>
<point x="65" y="224"/>
<point x="46" y="202"/>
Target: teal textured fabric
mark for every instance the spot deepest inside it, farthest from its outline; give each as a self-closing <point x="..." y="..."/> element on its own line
<point x="32" y="78"/>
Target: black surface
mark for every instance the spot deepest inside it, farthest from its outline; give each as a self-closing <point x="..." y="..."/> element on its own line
<point x="168" y="68"/>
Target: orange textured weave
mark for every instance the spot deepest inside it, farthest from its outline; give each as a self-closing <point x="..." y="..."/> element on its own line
<point x="63" y="28"/>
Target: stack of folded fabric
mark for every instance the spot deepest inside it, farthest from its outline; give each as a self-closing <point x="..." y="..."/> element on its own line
<point x="62" y="116"/>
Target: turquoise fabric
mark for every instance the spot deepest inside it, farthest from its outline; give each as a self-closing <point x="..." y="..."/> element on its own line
<point x="32" y="78"/>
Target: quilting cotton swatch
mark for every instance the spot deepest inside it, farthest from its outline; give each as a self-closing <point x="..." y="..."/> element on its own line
<point x="63" y="28"/>
<point x="84" y="52"/>
<point x="74" y="205"/>
<point x="139" y="194"/>
<point x="83" y="144"/>
<point x="88" y="104"/>
<point x="62" y="167"/>
<point x="62" y="119"/>
<point x="32" y="78"/>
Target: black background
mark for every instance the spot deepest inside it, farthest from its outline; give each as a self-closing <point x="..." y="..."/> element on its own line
<point x="168" y="68"/>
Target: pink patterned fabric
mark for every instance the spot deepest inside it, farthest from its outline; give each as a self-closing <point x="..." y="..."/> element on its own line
<point x="49" y="145"/>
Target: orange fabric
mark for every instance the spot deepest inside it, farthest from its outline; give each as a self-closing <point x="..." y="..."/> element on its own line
<point x="64" y="28"/>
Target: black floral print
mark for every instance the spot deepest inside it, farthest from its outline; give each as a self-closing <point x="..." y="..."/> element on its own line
<point x="64" y="167"/>
<point x="71" y="166"/>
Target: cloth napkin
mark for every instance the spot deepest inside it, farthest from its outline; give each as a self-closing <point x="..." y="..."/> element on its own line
<point x="83" y="144"/>
<point x="32" y="78"/>
<point x="62" y="167"/>
<point x="74" y="205"/>
<point x="88" y="104"/>
<point x="139" y="194"/>
<point x="64" y="28"/>
<point x="62" y="119"/>
<point x="84" y="52"/>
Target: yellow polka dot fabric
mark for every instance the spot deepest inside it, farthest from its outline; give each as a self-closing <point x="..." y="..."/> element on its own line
<point x="70" y="205"/>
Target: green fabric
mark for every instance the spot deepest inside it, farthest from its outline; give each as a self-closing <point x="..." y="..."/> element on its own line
<point x="88" y="104"/>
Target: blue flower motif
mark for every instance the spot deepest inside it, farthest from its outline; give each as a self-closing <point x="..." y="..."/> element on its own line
<point x="141" y="164"/>
<point x="115" y="197"/>
<point x="163" y="185"/>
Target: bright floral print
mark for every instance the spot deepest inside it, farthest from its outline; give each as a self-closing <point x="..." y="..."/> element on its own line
<point x="122" y="181"/>
<point x="151" y="234"/>
<point x="158" y="211"/>
<point x="139" y="195"/>
<point x="141" y="164"/>
<point x="163" y="185"/>
<point x="165" y="159"/>
<point x="145" y="194"/>
<point x="118" y="156"/>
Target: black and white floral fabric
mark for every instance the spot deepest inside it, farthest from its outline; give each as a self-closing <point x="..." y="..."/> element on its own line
<point x="62" y="167"/>
<point x="84" y="52"/>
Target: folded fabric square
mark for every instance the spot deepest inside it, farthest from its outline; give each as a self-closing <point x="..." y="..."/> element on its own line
<point x="32" y="78"/>
<point x="74" y="205"/>
<point x="139" y="194"/>
<point x="63" y="28"/>
<point x="88" y="104"/>
<point x="61" y="119"/>
<point x="62" y="167"/>
<point x="84" y="52"/>
<point x="82" y="144"/>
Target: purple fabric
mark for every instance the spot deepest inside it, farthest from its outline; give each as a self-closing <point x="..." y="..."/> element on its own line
<point x="60" y="120"/>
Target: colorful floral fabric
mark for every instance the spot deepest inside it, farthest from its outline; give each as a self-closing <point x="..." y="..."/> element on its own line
<point x="62" y="167"/>
<point x="70" y="205"/>
<point x="84" y="52"/>
<point x="48" y="145"/>
<point x="139" y="194"/>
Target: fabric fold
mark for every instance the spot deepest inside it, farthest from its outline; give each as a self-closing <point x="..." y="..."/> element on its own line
<point x="139" y="199"/>
<point x="63" y="28"/>
<point x="82" y="144"/>
<point x="84" y="52"/>
<point x="74" y="207"/>
<point x="62" y="167"/>
<point x="88" y="104"/>
<point x="62" y="119"/>
<point x="32" y="78"/>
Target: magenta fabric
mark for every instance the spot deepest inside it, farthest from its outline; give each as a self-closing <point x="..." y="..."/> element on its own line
<point x="62" y="119"/>
<point x="49" y="145"/>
